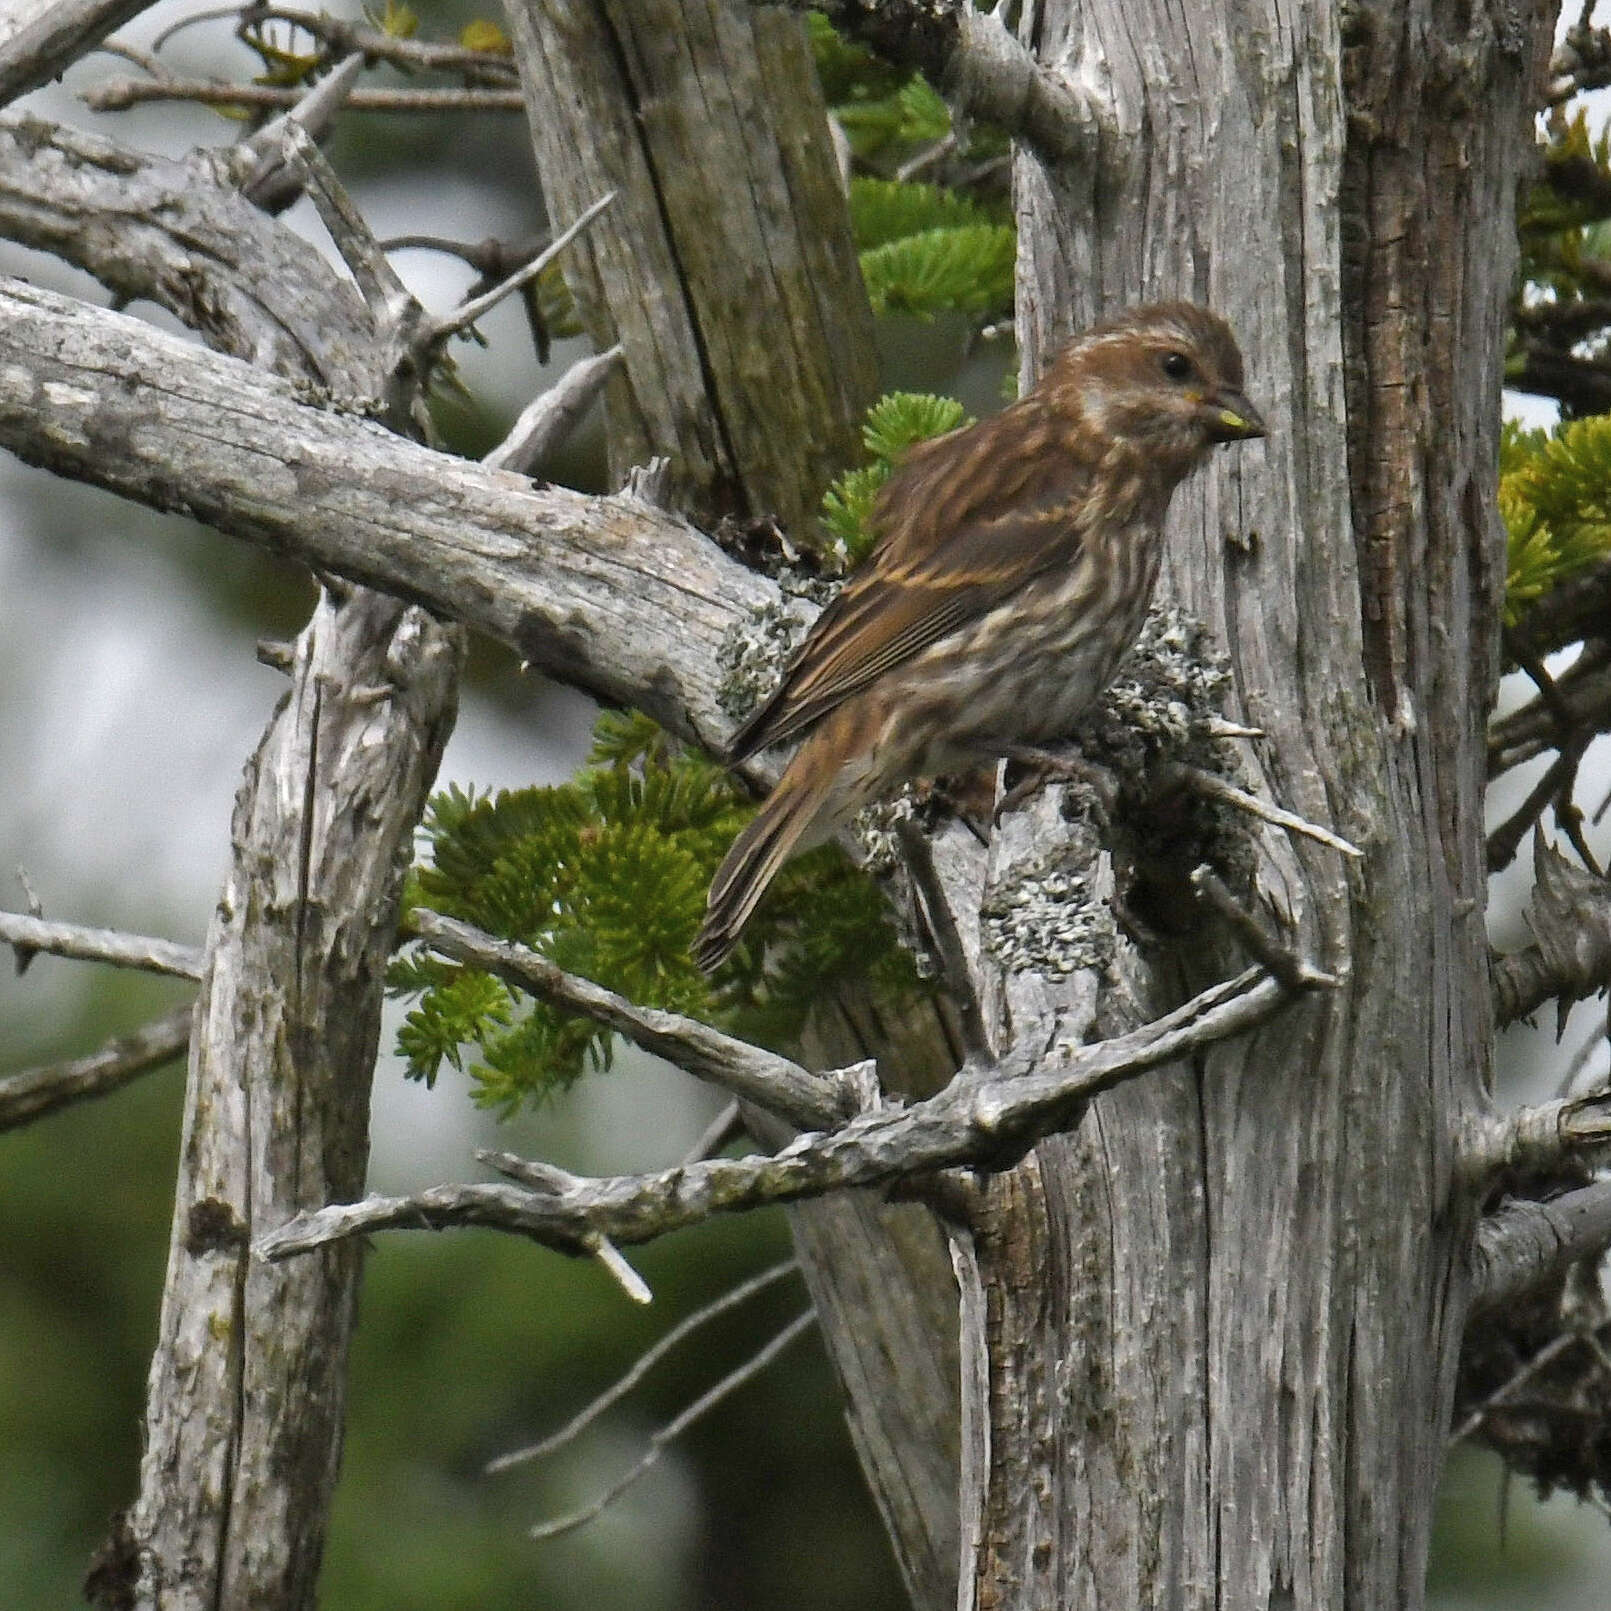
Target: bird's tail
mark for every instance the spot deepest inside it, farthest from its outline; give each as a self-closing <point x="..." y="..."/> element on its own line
<point x="792" y="808"/>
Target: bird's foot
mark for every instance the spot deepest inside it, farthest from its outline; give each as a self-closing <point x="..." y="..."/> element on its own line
<point x="1037" y="767"/>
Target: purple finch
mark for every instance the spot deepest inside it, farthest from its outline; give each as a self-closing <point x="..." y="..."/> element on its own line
<point x="1014" y="566"/>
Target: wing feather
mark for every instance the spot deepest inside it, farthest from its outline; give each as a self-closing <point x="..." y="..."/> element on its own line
<point x="966" y="522"/>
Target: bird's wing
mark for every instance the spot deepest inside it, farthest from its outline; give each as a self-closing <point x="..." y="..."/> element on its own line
<point x="961" y="533"/>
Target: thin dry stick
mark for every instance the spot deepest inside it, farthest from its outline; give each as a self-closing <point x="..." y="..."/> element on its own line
<point x="610" y="1257"/>
<point x="34" y="1092"/>
<point x="936" y="916"/>
<point x="1216" y="788"/>
<point x="27" y="935"/>
<point x="662" y="1439"/>
<point x="641" y="1367"/>
<point x="119" y="94"/>
<point x="722" y="1129"/>
<point x="466" y="314"/>
<point x="1505" y="1389"/>
<point x="547" y="420"/>
<point x="1291" y="969"/>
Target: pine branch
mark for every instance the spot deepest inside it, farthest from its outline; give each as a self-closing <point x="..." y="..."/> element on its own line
<point x="774" y="1083"/>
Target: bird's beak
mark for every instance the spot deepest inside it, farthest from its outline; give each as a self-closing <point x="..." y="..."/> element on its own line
<point x="1231" y="418"/>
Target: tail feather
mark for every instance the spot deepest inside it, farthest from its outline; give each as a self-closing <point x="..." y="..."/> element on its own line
<point x="750" y="866"/>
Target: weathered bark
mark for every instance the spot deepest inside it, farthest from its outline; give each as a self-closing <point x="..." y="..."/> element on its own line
<point x="248" y="1385"/>
<point x="725" y="268"/>
<point x="1209" y="1340"/>
<point x="1217" y="1328"/>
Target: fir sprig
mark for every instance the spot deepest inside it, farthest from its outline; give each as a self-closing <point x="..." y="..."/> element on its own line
<point x="893" y="424"/>
<point x="606" y="876"/>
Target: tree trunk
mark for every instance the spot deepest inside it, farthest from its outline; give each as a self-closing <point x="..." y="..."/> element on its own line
<point x="247" y="1394"/>
<point x="1214" y="1332"/>
<point x="725" y="267"/>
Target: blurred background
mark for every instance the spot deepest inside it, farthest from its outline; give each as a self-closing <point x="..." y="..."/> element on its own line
<point x="129" y="699"/>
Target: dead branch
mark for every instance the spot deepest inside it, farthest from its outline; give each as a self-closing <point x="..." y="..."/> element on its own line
<point x="28" y="935"/>
<point x="35" y="1092"/>
<point x="1570" y="958"/>
<point x="645" y="1362"/>
<point x="1525" y="1244"/>
<point x="58" y="35"/>
<point x="977" y="64"/>
<point x="547" y="420"/>
<point x="613" y="596"/>
<point x="1537" y="1140"/>
<point x="119" y="94"/>
<point x="662" y="1438"/>
<point x="772" y="1082"/>
<point x="979" y="1119"/>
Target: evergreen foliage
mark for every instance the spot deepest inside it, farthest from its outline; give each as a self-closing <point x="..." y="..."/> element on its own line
<point x="893" y="424"/>
<point x="1555" y="495"/>
<point x="606" y="876"/>
<point x="925" y="248"/>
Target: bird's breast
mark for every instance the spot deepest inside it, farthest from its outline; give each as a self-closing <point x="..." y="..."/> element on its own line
<point x="1023" y="672"/>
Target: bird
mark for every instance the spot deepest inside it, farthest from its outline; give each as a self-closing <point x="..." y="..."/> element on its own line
<point x="1013" y="565"/>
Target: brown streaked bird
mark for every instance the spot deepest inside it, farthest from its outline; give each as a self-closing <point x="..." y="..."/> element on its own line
<point x="1014" y="565"/>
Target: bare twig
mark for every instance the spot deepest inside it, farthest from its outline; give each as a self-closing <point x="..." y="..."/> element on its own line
<point x="1554" y="1347"/>
<point x="662" y="1439"/>
<point x="934" y="913"/>
<point x="1506" y="839"/>
<point x="35" y="1092"/>
<point x="1213" y="787"/>
<point x="397" y="314"/>
<point x="273" y="184"/>
<point x="727" y="1124"/>
<point x="85" y="944"/>
<point x="979" y="1118"/>
<point x="465" y="315"/>
<point x="340" y="37"/>
<point x="1281" y="963"/>
<point x="539" y="1178"/>
<point x="774" y="1083"/>
<point x="547" y="420"/>
<point x="119" y="94"/>
<point x="617" y="1268"/>
<point x="1584" y="695"/>
<point x="645" y="1362"/>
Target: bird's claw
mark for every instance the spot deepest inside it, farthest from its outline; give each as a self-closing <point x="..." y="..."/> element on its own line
<point x="1046" y="766"/>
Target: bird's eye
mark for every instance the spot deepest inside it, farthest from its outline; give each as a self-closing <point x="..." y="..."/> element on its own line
<point x="1177" y="366"/>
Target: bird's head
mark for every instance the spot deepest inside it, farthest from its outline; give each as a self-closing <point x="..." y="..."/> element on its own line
<point x="1166" y="378"/>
